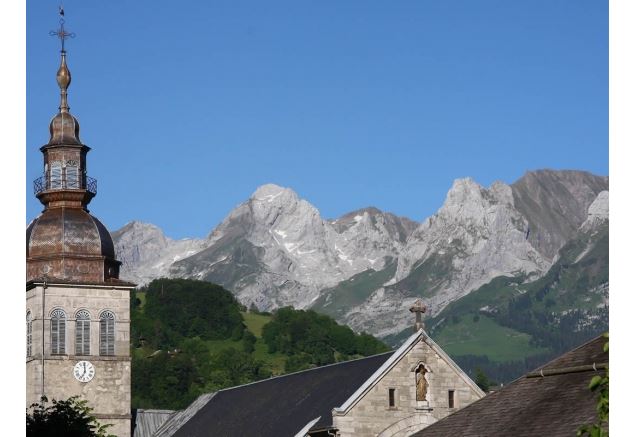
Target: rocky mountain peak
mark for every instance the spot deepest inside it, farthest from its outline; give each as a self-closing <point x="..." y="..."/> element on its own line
<point x="398" y="228"/>
<point x="275" y="206"/>
<point x="269" y="192"/>
<point x="476" y="235"/>
<point x="146" y="253"/>
<point x="275" y="249"/>
<point x="139" y="231"/>
<point x="468" y="201"/>
<point x="555" y="204"/>
<point x="464" y="190"/>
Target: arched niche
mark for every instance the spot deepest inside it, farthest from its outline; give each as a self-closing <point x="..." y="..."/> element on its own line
<point x="421" y="372"/>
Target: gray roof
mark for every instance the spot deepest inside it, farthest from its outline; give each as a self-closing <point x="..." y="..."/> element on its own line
<point x="146" y="422"/>
<point x="279" y="406"/>
<point x="554" y="400"/>
<point x="181" y="417"/>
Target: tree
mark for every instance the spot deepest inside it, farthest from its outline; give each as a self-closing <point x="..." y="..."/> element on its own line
<point x="482" y="380"/>
<point x="249" y="342"/>
<point x="599" y="383"/>
<point x="66" y="418"/>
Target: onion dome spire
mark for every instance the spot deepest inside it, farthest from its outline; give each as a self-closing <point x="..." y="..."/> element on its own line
<point x="66" y="242"/>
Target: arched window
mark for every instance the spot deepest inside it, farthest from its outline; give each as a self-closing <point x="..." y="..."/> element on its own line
<point x="106" y="333"/>
<point x="56" y="175"/>
<point x="82" y="333"/>
<point x="29" y="333"/>
<point x="58" y="332"/>
<point x="72" y="175"/>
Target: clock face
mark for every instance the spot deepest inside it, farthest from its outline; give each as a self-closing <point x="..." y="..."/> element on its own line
<point x="84" y="371"/>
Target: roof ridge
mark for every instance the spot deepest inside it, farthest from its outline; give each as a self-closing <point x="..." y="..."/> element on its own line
<point x="188" y="412"/>
<point x="568" y="370"/>
<point x="154" y="410"/>
<point x="302" y="371"/>
<point x="586" y="343"/>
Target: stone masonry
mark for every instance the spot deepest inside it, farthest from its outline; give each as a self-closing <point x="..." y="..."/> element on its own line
<point x="108" y="393"/>
<point x="371" y="415"/>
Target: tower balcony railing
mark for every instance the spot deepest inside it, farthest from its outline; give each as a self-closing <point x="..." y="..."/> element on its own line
<point x="45" y="184"/>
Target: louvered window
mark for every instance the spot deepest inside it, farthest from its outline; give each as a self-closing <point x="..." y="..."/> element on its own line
<point x="107" y="333"/>
<point x="56" y="175"/>
<point x="58" y="332"/>
<point x="82" y="333"/>
<point x="29" y="333"/>
<point x="72" y="176"/>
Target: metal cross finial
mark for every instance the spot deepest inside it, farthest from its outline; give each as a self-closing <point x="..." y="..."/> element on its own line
<point x="61" y="33"/>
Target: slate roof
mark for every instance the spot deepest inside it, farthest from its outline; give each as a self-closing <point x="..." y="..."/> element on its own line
<point x="146" y="422"/>
<point x="279" y="406"/>
<point x="553" y="400"/>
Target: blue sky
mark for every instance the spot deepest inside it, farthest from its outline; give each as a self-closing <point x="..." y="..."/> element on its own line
<point x="190" y="106"/>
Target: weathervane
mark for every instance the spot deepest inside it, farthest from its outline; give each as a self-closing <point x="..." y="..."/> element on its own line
<point x="61" y="33"/>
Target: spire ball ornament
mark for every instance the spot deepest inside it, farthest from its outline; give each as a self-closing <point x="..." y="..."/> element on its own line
<point x="63" y="81"/>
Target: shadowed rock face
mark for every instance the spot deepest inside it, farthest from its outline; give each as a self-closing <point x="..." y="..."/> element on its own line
<point x="555" y="203"/>
<point x="275" y="249"/>
<point x="399" y="228"/>
<point x="146" y="253"/>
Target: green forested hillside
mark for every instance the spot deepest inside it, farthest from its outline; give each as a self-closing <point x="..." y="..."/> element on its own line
<point x="191" y="337"/>
<point x="309" y="338"/>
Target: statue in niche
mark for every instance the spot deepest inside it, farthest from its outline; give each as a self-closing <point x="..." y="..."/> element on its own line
<point x="422" y="383"/>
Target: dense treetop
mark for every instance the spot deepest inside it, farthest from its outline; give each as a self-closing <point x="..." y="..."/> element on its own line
<point x="310" y="338"/>
<point x="175" y="309"/>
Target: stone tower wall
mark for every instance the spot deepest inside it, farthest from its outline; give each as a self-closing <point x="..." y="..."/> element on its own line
<point x="108" y="393"/>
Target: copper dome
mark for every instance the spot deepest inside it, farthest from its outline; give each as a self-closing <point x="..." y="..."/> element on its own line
<point x="60" y="231"/>
<point x="69" y="243"/>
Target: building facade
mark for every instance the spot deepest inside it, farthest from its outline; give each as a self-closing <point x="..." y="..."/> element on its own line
<point x="419" y="385"/>
<point x="77" y="309"/>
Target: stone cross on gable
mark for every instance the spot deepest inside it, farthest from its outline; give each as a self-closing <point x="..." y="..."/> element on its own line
<point x="418" y="308"/>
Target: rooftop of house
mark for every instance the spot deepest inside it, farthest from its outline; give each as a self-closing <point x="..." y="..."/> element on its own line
<point x="277" y="406"/>
<point x="553" y="400"/>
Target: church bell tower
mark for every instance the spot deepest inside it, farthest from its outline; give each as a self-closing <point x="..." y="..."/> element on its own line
<point x="77" y="308"/>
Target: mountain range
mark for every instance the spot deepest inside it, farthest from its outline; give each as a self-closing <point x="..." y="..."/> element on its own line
<point x="367" y="267"/>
